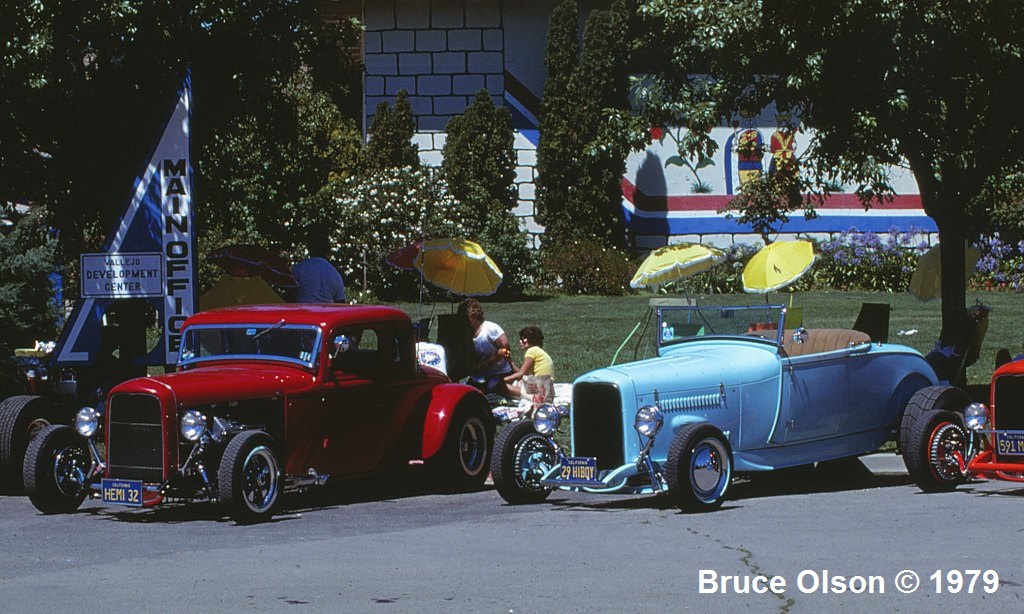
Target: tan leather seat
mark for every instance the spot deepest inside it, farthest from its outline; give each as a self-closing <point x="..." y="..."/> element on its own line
<point x="823" y="340"/>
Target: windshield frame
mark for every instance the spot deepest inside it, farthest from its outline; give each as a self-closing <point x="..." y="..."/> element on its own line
<point x="262" y="327"/>
<point x="734" y="310"/>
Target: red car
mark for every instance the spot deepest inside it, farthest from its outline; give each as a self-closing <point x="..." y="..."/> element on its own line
<point x="952" y="440"/>
<point x="266" y="400"/>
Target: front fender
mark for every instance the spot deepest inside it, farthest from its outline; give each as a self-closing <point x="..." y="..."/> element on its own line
<point x="443" y="401"/>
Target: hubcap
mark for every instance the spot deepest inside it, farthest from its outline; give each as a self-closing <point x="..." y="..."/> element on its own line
<point x="259" y="479"/>
<point x="34" y="427"/>
<point x="947" y="452"/>
<point x="473" y="447"/>
<point x="534" y="457"/>
<point x="709" y="470"/>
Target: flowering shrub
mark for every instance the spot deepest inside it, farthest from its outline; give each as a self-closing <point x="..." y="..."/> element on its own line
<point x="585" y="266"/>
<point x="385" y="211"/>
<point x="865" y="261"/>
<point x="999" y="267"/>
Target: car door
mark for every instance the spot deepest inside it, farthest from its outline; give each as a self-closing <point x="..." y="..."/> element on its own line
<point x="361" y="399"/>
<point x="818" y="395"/>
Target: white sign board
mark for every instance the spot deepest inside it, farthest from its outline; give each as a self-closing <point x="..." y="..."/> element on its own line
<point x="122" y="275"/>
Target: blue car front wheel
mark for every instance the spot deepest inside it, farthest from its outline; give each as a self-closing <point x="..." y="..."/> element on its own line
<point x="699" y="468"/>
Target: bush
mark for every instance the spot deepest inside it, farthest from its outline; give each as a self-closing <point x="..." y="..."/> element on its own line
<point x="385" y="211"/>
<point x="586" y="267"/>
<point x="27" y="257"/>
<point x="999" y="267"/>
<point x="864" y="261"/>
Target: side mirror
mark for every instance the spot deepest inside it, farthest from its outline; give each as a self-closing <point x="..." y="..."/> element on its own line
<point x="340" y="345"/>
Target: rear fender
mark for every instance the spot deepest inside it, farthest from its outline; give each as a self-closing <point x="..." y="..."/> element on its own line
<point x="443" y="401"/>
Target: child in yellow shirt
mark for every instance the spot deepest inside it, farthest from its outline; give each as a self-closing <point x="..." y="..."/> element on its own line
<point x="536" y="362"/>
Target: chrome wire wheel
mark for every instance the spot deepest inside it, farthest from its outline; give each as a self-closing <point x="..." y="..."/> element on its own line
<point x="947" y="452"/>
<point x="709" y="470"/>
<point x="533" y="458"/>
<point x="260" y="479"/>
<point x="473" y="447"/>
<point x="70" y="470"/>
<point x="522" y="456"/>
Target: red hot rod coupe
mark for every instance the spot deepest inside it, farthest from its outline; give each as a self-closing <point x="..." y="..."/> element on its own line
<point x="266" y="400"/>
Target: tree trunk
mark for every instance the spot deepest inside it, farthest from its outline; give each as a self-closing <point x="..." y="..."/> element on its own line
<point x="953" y="238"/>
<point x="954" y="282"/>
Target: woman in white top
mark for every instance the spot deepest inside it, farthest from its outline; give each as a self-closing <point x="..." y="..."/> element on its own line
<point x="492" y="352"/>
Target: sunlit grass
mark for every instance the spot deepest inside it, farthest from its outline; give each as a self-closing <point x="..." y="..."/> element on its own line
<point x="582" y="333"/>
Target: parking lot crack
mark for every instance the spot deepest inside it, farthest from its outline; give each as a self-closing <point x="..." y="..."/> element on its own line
<point x="747" y="559"/>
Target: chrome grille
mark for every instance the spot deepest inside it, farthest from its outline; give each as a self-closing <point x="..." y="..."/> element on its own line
<point x="135" y="439"/>
<point x="597" y="423"/>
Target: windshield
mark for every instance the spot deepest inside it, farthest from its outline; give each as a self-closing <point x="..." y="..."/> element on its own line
<point x="678" y="323"/>
<point x="277" y="341"/>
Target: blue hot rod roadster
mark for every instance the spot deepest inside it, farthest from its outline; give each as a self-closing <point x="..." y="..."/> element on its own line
<point x="730" y="390"/>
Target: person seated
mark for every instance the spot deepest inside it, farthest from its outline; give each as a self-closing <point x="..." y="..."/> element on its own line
<point x="491" y="348"/>
<point x="536" y="364"/>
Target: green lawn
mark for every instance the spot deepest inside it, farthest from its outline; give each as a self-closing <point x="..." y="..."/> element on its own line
<point x="583" y="332"/>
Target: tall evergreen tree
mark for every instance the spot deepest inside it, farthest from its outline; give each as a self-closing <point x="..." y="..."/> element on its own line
<point x="479" y="164"/>
<point x="390" y="135"/>
<point x="580" y="174"/>
<point x="556" y="151"/>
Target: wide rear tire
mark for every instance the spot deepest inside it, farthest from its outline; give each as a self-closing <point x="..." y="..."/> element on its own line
<point x="521" y="457"/>
<point x="56" y="471"/>
<point x="925" y="400"/>
<point x="22" y="417"/>
<point x="699" y="468"/>
<point x="937" y="451"/>
<point x="249" y="479"/>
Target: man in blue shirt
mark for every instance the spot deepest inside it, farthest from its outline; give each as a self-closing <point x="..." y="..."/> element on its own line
<point x="318" y="280"/>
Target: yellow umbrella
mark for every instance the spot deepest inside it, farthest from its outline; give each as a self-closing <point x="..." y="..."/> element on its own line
<point x="674" y="262"/>
<point x="230" y="291"/>
<point x="459" y="266"/>
<point x="926" y="282"/>
<point x="777" y="265"/>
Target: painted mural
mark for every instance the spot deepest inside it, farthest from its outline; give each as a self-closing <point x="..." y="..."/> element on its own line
<point x="665" y="194"/>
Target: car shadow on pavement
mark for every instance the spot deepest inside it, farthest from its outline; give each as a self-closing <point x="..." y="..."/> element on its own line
<point x="413" y="482"/>
<point x="832" y="476"/>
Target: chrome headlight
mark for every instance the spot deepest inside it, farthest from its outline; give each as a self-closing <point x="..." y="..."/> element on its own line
<point x="975" y="416"/>
<point x="546" y="419"/>
<point x="648" y="421"/>
<point x="193" y="424"/>
<point x="87" y="421"/>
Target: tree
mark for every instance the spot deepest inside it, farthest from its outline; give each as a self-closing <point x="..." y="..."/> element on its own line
<point x="261" y="182"/>
<point x="27" y="306"/>
<point x="480" y="166"/>
<point x="87" y="84"/>
<point x="919" y="84"/>
<point x="579" y="172"/>
<point x="389" y="143"/>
